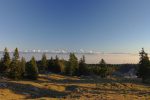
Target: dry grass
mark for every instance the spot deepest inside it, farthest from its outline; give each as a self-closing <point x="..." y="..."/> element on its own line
<point x="59" y="87"/>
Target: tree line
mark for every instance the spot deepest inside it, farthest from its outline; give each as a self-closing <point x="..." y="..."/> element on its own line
<point x="17" y="68"/>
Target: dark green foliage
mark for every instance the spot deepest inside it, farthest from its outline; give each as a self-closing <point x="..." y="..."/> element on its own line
<point x="144" y="66"/>
<point x="23" y="66"/>
<point x="31" y="69"/>
<point x="72" y="68"/>
<point x="15" y="68"/>
<point x="54" y="65"/>
<point x="57" y="68"/>
<point x="43" y="65"/>
<point x="103" y="68"/>
<point x="16" y="54"/>
<point x="5" y="62"/>
<point x="51" y="64"/>
<point x="83" y="70"/>
<point x="102" y="63"/>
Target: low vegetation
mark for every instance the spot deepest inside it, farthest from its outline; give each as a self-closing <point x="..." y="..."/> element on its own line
<point x="60" y="87"/>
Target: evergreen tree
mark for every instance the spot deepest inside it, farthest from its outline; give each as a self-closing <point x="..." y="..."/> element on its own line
<point x="102" y="63"/>
<point x="83" y="67"/>
<point x="103" y="68"/>
<point x="72" y="67"/>
<point x="44" y="64"/>
<point x="57" y="68"/>
<point x="144" y="66"/>
<point x="32" y="70"/>
<point x="5" y="62"/>
<point x="23" y="66"/>
<point x="51" y="64"/>
<point x="15" y="68"/>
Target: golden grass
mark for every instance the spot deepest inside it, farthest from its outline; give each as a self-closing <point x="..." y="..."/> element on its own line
<point x="59" y="87"/>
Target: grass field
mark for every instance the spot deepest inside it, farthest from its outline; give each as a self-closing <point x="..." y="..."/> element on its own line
<point x="59" y="87"/>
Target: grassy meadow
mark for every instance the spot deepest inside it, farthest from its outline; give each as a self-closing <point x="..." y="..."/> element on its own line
<point x="59" y="87"/>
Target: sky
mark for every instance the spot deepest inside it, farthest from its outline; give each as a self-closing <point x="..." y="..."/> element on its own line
<point x="100" y="25"/>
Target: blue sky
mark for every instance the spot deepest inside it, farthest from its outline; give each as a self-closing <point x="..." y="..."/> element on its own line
<point x="100" y="25"/>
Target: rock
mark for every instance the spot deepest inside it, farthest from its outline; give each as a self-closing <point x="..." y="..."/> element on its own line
<point x="3" y="85"/>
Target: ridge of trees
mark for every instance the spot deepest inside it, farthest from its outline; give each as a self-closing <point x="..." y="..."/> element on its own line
<point x="17" y="68"/>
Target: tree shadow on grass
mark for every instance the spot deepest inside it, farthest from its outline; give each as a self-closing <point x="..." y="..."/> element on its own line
<point x="32" y="92"/>
<point x="92" y="80"/>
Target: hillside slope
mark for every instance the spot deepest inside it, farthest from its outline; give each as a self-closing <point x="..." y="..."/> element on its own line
<point x="59" y="87"/>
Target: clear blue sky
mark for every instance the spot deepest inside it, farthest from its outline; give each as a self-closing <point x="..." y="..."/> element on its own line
<point x="101" y="25"/>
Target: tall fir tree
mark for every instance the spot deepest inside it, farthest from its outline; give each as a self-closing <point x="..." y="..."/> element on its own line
<point x="72" y="68"/>
<point x="32" y="69"/>
<point x="103" y="68"/>
<point x="44" y="64"/>
<point x="5" y="62"/>
<point x="83" y="70"/>
<point x="23" y="66"/>
<point x="15" y="68"/>
<point x="51" y="65"/>
<point x="57" y="68"/>
<point x="144" y="66"/>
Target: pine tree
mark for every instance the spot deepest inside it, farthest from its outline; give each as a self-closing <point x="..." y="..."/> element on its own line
<point x="102" y="63"/>
<point x="51" y="64"/>
<point x="32" y="70"/>
<point x="103" y="68"/>
<point x="83" y="67"/>
<point x="144" y="66"/>
<point x="23" y="66"/>
<point x="5" y="62"/>
<point x="57" y="68"/>
<point x="44" y="64"/>
<point x="15" y="68"/>
<point x="72" y="68"/>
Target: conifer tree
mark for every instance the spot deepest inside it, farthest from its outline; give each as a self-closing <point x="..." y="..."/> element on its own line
<point x="57" y="68"/>
<point x="15" y="68"/>
<point x="83" y="67"/>
<point x="72" y="67"/>
<point x="144" y="66"/>
<point x="5" y="62"/>
<point x="44" y="64"/>
<point x="51" y="64"/>
<point x="103" y="68"/>
<point x="32" y="70"/>
<point x="23" y="66"/>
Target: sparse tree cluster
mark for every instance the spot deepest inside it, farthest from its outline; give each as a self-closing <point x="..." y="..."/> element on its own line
<point x="17" y="69"/>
